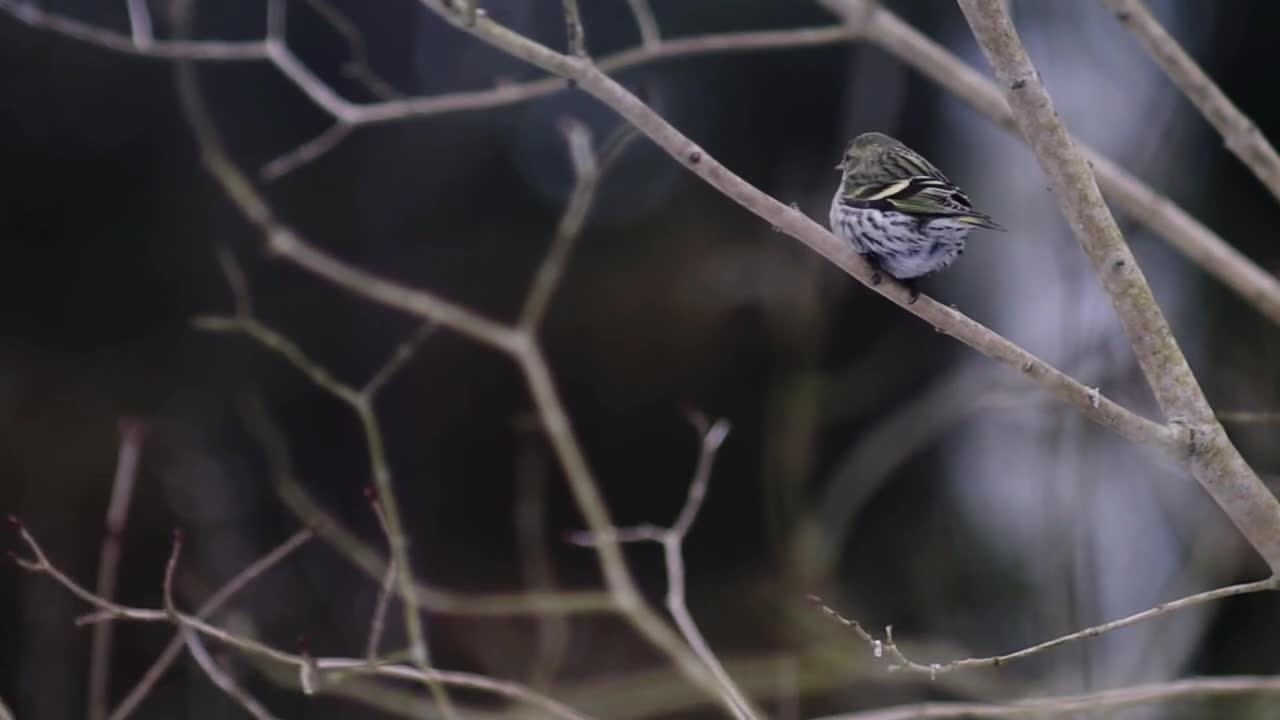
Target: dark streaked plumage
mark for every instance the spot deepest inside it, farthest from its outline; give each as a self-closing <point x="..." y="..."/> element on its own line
<point x="899" y="211"/>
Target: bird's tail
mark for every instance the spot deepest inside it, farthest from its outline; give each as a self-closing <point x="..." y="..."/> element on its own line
<point x="981" y="220"/>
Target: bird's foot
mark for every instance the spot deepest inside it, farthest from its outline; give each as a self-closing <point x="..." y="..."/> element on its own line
<point x="912" y="290"/>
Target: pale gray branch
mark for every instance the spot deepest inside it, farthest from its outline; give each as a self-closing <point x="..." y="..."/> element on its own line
<point x="1210" y="456"/>
<point x="897" y="660"/>
<point x="1240" y="134"/>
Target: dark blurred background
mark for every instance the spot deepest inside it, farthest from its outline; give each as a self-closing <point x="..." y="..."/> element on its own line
<point x="871" y="460"/>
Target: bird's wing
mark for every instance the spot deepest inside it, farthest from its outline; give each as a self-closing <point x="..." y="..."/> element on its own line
<point x="918" y="195"/>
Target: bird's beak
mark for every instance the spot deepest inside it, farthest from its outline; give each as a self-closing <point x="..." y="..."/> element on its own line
<point x="840" y="166"/>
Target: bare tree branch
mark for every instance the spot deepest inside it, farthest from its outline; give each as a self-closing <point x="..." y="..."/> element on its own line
<point x="132" y="433"/>
<point x="221" y="678"/>
<point x="1102" y="701"/>
<point x="1212" y="459"/>
<point x="328" y="669"/>
<point x="898" y="661"/>
<point x="360" y="401"/>
<point x="646" y="23"/>
<point x="1240" y="134"/>
<point x="576" y="36"/>
<point x="672" y="542"/>
<point x="207" y="608"/>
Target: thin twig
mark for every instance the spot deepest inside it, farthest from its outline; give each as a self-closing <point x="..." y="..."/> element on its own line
<point x="377" y="621"/>
<point x="31" y="14"/>
<point x="307" y="152"/>
<point x="672" y="542"/>
<point x="1203" y="688"/>
<point x="140" y="23"/>
<point x="215" y="602"/>
<point x="576" y="37"/>
<point x="357" y="66"/>
<point x="646" y="23"/>
<point x="1241" y="135"/>
<point x="887" y="648"/>
<point x="535" y="553"/>
<point x="1210" y="455"/>
<point x="132" y="432"/>
<point x="221" y="678"/>
<point x="586" y="173"/>
<point x="432" y="598"/>
<point x="360" y="401"/>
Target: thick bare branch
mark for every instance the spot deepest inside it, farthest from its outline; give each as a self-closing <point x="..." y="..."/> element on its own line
<point x="1240" y="134"/>
<point x="1211" y="457"/>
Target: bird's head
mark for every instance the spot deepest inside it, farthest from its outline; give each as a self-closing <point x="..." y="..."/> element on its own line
<point x="866" y="149"/>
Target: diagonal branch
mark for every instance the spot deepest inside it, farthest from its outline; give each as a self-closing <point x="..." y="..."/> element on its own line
<point x="792" y="222"/>
<point x="1240" y="134"/>
<point x="899" y="661"/>
<point x="1212" y="459"/>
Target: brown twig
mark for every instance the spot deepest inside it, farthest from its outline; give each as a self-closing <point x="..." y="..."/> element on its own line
<point x="519" y="344"/>
<point x="886" y="647"/>
<point x="1241" y="136"/>
<point x="132" y="432"/>
<point x="432" y="598"/>
<point x="215" y="602"/>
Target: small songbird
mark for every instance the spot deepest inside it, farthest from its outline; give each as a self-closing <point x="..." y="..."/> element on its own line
<point x="899" y="211"/>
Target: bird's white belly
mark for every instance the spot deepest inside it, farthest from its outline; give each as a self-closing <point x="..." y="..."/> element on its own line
<point x="904" y="246"/>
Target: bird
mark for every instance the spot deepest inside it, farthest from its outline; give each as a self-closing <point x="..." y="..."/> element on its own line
<point x="899" y="212"/>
